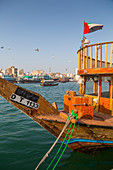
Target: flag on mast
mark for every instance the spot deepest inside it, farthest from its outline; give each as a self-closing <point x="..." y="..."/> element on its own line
<point x="91" y="27"/>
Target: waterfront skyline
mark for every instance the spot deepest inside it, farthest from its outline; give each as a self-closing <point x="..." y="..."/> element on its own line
<point x="53" y="27"/>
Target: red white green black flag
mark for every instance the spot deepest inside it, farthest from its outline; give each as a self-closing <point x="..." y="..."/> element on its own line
<point x="90" y="27"/>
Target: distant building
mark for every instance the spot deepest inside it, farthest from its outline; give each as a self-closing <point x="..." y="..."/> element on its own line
<point x="1" y="74"/>
<point x="28" y="74"/>
<point x="38" y="72"/>
<point x="4" y="72"/>
<point x="20" y="73"/>
<point x="9" y="71"/>
<point x="12" y="71"/>
<point x="55" y="75"/>
<point x="71" y="75"/>
<point x="6" y="77"/>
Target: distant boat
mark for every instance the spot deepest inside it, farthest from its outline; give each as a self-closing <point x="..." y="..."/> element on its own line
<point x="8" y="78"/>
<point x="64" y="80"/>
<point x="48" y="83"/>
<point x="29" y="79"/>
<point x="72" y="80"/>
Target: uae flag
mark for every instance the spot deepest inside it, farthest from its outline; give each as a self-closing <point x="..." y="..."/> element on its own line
<point x="90" y="27"/>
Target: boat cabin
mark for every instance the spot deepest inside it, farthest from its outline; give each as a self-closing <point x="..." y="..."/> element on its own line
<point x="95" y="69"/>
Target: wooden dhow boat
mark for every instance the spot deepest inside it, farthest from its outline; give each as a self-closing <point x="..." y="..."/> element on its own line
<point x="48" y="83"/>
<point x="94" y="124"/>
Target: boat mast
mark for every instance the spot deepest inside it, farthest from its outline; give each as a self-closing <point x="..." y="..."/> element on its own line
<point x="82" y="41"/>
<point x="83" y="86"/>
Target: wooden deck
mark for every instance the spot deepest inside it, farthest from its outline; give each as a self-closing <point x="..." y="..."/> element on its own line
<point x="61" y="117"/>
<point x="100" y="119"/>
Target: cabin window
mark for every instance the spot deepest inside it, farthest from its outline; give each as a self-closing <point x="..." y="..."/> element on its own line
<point x="105" y="87"/>
<point x="92" y="85"/>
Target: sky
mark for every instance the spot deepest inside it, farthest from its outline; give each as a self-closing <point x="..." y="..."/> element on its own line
<point x="55" y="27"/>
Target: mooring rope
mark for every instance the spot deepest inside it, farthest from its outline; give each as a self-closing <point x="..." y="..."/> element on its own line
<point x="73" y="115"/>
<point x="60" y="147"/>
<point x="46" y="155"/>
<point x="65" y="147"/>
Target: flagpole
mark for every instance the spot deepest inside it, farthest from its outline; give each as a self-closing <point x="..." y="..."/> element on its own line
<point x="82" y="45"/>
<point x="83" y="35"/>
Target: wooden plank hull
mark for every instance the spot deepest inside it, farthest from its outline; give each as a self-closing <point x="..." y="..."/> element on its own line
<point x="85" y="138"/>
<point x="87" y="135"/>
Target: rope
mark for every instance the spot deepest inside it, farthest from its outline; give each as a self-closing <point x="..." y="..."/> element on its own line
<point x="64" y="148"/>
<point x="60" y="147"/>
<point x="46" y="155"/>
<point x="73" y="115"/>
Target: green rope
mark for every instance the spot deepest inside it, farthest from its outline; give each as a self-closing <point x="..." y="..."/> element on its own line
<point x="64" y="148"/>
<point x="60" y="147"/>
<point x="75" y="115"/>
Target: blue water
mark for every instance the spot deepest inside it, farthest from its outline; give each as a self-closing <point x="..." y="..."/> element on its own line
<point x="23" y="142"/>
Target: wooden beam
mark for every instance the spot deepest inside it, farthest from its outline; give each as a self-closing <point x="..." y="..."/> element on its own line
<point x="84" y="85"/>
<point x="95" y="44"/>
<point x="84" y="59"/>
<point x="96" y="56"/>
<point x="79" y="61"/>
<point x="101" y="56"/>
<point x="91" y="57"/>
<point x="111" y="54"/>
<point x="99" y="92"/>
<point x="111" y="95"/>
<point x="95" y="86"/>
<point x="80" y="90"/>
<point x="105" y="55"/>
<point x="81" y="54"/>
<point x="96" y="71"/>
<point x="87" y="57"/>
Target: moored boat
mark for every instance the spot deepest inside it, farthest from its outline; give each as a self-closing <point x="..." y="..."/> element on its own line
<point x="94" y="124"/>
<point x="64" y="80"/>
<point x="48" y="83"/>
<point x="28" y="79"/>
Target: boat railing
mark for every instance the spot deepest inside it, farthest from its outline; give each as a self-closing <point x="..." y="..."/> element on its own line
<point x="98" y="55"/>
